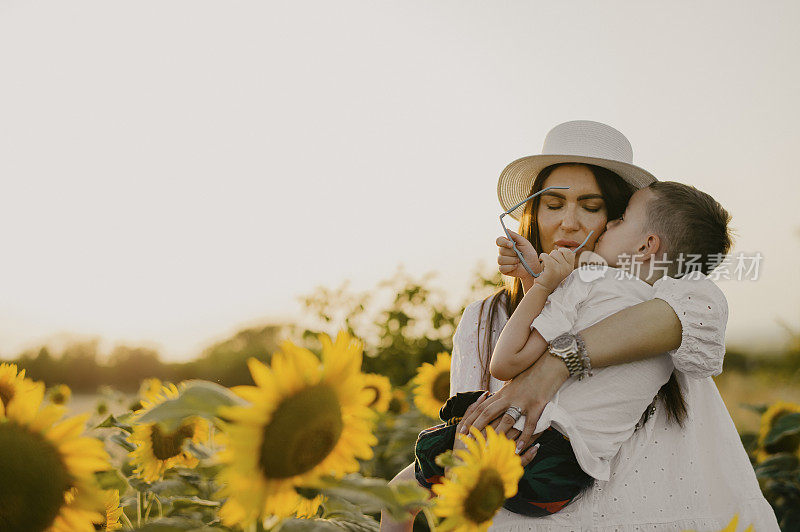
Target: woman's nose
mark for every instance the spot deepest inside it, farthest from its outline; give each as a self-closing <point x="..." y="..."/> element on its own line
<point x="570" y="220"/>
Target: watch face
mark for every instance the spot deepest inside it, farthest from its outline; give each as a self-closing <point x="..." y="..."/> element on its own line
<point x="562" y="342"/>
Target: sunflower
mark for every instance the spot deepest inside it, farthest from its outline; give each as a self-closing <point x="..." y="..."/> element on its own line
<point x="13" y="386"/>
<point x="113" y="511"/>
<point x="473" y="491"/>
<point x="149" y="389"/>
<point x="380" y="389"/>
<point x="158" y="450"/>
<point x="307" y="508"/>
<point x="398" y="404"/>
<point x="432" y="385"/>
<point x="59" y="394"/>
<point x="47" y="470"/>
<point x="305" y="419"/>
<point x="787" y="444"/>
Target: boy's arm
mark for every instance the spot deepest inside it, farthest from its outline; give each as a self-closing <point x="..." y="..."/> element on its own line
<point x="518" y="346"/>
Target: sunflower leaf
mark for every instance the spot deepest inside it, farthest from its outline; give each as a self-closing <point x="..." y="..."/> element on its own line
<point x="120" y="440"/>
<point x="172" y="487"/>
<point x="373" y="494"/>
<point x="199" y="450"/>
<point x="354" y="523"/>
<point x="758" y="409"/>
<point x="139" y="484"/>
<point x="749" y="441"/>
<point x="447" y="459"/>
<point x="113" y="422"/>
<point x="175" y="524"/>
<point x="197" y="398"/>
<point x="183" y="502"/>
<point x="111" y="479"/>
<point x="338" y="507"/>
<point x="777" y="465"/>
<point x="786" y="425"/>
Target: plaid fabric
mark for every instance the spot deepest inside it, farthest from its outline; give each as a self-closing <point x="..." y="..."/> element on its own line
<point x="551" y="481"/>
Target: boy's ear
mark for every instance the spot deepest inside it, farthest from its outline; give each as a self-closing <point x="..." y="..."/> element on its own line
<point x="650" y="246"/>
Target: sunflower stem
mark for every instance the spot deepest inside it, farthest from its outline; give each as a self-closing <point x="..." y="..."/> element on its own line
<point x="127" y="521"/>
<point x="148" y="505"/>
<point x="138" y="509"/>
<point x="160" y="509"/>
<point x="429" y="517"/>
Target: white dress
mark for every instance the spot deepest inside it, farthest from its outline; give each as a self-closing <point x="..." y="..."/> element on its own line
<point x="664" y="478"/>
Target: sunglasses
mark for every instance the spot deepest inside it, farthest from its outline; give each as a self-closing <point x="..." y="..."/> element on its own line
<point x="514" y="245"/>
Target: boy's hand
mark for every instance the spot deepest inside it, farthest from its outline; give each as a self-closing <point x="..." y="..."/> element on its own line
<point x="508" y="261"/>
<point x="558" y="264"/>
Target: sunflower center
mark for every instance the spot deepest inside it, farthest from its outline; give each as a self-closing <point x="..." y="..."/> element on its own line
<point x="169" y="444"/>
<point x="304" y="430"/>
<point x="441" y="387"/>
<point x="395" y="405"/>
<point x="374" y="390"/>
<point x="485" y="498"/>
<point x="58" y="398"/>
<point x="6" y="392"/>
<point x="32" y="479"/>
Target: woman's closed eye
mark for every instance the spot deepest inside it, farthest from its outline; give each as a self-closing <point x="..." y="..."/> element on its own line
<point x="555" y="207"/>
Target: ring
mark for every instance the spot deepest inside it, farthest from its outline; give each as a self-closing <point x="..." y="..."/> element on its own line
<point x="514" y="412"/>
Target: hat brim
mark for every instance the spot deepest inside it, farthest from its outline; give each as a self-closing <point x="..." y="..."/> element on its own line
<point x="517" y="178"/>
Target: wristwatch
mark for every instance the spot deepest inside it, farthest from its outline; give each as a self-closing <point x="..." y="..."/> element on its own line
<point x="569" y="348"/>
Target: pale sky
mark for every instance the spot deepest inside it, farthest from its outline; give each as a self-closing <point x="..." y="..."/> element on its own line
<point x="174" y="170"/>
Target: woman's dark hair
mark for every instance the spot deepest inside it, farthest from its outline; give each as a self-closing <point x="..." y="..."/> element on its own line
<point x="616" y="194"/>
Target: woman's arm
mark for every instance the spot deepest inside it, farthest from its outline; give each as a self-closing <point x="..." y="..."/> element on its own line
<point x="635" y="333"/>
<point x="518" y="346"/>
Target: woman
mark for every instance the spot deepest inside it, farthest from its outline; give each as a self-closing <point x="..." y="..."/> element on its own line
<point x="670" y="475"/>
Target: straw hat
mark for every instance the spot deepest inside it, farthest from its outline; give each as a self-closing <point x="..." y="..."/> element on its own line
<point x="578" y="141"/>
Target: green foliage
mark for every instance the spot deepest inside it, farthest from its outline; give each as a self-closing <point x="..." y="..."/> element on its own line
<point x="410" y="328"/>
<point x="372" y="495"/>
<point x="196" y="398"/>
<point x="396" y="435"/>
<point x="779" y="473"/>
<point x="226" y="362"/>
<point x="785" y="427"/>
<point x="785" y="362"/>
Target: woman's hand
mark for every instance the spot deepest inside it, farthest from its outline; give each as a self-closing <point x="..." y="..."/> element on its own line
<point x="529" y="391"/>
<point x="508" y="261"/>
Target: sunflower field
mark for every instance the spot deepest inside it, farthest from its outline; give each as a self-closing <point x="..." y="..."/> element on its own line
<point x="286" y="453"/>
<point x="308" y="440"/>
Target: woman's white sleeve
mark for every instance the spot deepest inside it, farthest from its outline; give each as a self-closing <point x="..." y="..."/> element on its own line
<point x="465" y="370"/>
<point x="560" y="312"/>
<point x="703" y="311"/>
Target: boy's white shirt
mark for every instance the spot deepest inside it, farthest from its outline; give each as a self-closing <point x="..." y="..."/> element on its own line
<point x="598" y="413"/>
